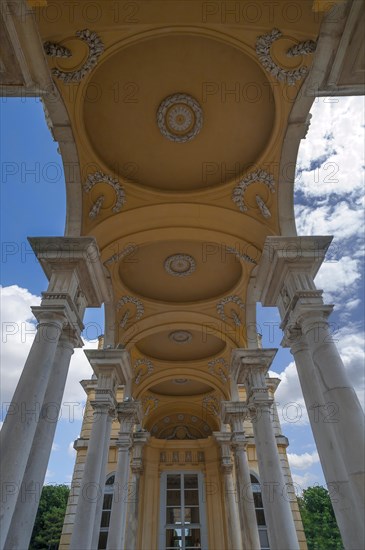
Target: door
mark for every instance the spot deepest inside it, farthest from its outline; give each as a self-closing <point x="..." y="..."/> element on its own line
<point x="182" y="512"/>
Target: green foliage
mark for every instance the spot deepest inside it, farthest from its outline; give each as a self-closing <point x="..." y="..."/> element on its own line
<point x="319" y="520"/>
<point x="51" y="512"/>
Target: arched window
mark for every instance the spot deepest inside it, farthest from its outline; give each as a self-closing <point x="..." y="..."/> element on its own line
<point x="105" y="515"/>
<point x="260" y="514"/>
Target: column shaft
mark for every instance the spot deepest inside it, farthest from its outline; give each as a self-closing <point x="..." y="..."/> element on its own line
<point x="348" y="515"/>
<point x="250" y="531"/>
<point x="91" y="492"/>
<point x="233" y="517"/>
<point x="26" y="508"/>
<point x="133" y="512"/>
<point x="21" y="422"/>
<point x="279" y="517"/>
<point x="342" y="402"/>
<point x="116" y="536"/>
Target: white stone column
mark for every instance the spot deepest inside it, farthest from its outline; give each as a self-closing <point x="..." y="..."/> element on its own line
<point x="348" y="514"/>
<point x="20" y="424"/>
<point x="129" y="414"/>
<point x="139" y="441"/>
<point x="286" y="278"/>
<point x="26" y="508"/>
<point x="111" y="367"/>
<point x="234" y="413"/>
<point x="250" y="367"/>
<point x="232" y="513"/>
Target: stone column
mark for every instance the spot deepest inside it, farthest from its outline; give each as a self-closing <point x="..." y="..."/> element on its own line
<point x="35" y="472"/>
<point x="285" y="278"/>
<point x="232" y="513"/>
<point x="129" y="414"/>
<point x="349" y="516"/>
<point x="139" y="441"/>
<point x="111" y="367"/>
<point x="250" y="367"/>
<point x="234" y="413"/>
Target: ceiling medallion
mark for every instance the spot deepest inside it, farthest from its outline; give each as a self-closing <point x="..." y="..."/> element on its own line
<point x="180" y="265"/>
<point x="179" y="118"/>
<point x="180" y="337"/>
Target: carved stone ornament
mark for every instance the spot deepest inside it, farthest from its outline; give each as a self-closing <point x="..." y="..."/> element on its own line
<point x="130" y="300"/>
<point x="142" y="367"/>
<point x="96" y="48"/>
<point x="219" y="367"/>
<point x="263" y="46"/>
<point x="262" y="207"/>
<point x="234" y="316"/>
<point x="211" y="405"/>
<point x="180" y="337"/>
<point x="180" y="265"/>
<point x="100" y="177"/>
<point x="149" y="403"/>
<point x="180" y="118"/>
<point x="129" y="249"/>
<point x="240" y="255"/>
<point x="259" y="176"/>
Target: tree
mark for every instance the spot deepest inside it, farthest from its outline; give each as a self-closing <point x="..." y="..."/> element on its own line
<point x="319" y="520"/>
<point x="51" y="512"/>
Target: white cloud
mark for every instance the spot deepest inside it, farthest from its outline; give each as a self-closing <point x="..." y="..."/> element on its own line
<point x="304" y="481"/>
<point x="339" y="279"/>
<point x="289" y="397"/>
<point x="303" y="461"/>
<point x="70" y="449"/>
<point x="55" y="447"/>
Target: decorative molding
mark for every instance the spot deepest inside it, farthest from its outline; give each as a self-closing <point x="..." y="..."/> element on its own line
<point x="125" y="252"/>
<point x="100" y="177"/>
<point x="96" y="48"/>
<point x="180" y="265"/>
<point x="259" y="176"/>
<point x="142" y="367"/>
<point x="263" y="208"/>
<point x="181" y="337"/>
<point x="240" y="256"/>
<point x="149" y="403"/>
<point x="219" y="367"/>
<point x="230" y="299"/>
<point x="211" y="404"/>
<point x="263" y="46"/>
<point x="302" y="48"/>
<point x="179" y="118"/>
<point x="130" y="300"/>
<point x="53" y="49"/>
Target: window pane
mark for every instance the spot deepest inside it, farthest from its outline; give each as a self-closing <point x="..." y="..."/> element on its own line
<point x="107" y="503"/>
<point x="105" y="519"/>
<point x="173" y="482"/>
<point x="192" y="538"/>
<point x="191" y="497"/>
<point x="260" y="517"/>
<point x="264" y="540"/>
<point x="190" y="481"/>
<point x="258" y="500"/>
<point x="102" y="540"/>
<point x="174" y="538"/>
<point x="173" y="515"/>
<point x="110" y="480"/>
<point x="194" y="515"/>
<point x="173" y="498"/>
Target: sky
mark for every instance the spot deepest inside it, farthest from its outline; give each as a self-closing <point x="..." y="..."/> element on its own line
<point x="329" y="200"/>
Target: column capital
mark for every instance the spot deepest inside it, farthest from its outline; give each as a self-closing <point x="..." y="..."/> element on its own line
<point x="244" y="361"/>
<point x="129" y="414"/>
<point x="289" y="265"/>
<point x="234" y="412"/>
<point x="224" y="441"/>
<point x="79" y="256"/>
<point x="110" y="363"/>
<point x="139" y="440"/>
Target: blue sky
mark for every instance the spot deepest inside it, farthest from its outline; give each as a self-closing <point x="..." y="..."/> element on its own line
<point x="329" y="198"/>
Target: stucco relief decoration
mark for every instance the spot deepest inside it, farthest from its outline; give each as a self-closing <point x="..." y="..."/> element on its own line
<point x="288" y="76"/>
<point x="129" y="249"/>
<point x="96" y="48"/>
<point x="211" y="404"/>
<point x="259" y="176"/>
<point x="233" y="313"/>
<point x="180" y="265"/>
<point x="180" y="337"/>
<point x="139" y="309"/>
<point x="100" y="177"/>
<point x="142" y="368"/>
<point x="240" y="255"/>
<point x="149" y="403"/>
<point x="180" y="118"/>
<point x="219" y="367"/>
